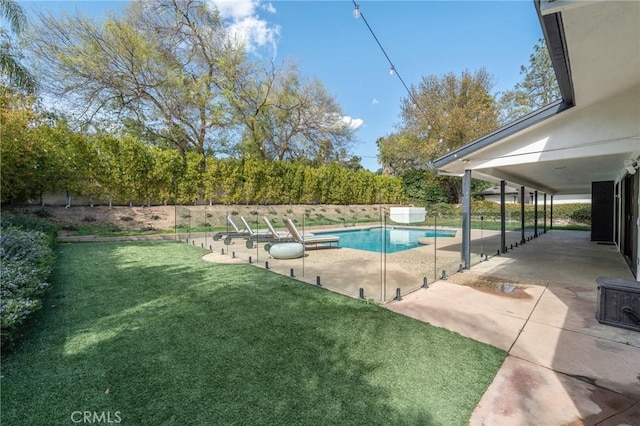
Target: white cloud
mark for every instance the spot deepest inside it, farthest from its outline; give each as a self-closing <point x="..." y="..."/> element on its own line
<point x="375" y="101"/>
<point x="254" y="32"/>
<point x="269" y="8"/>
<point x="236" y="9"/>
<point x="246" y="26"/>
<point x="353" y="123"/>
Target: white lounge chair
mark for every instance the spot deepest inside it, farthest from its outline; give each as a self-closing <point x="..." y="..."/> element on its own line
<point x="260" y="235"/>
<point x="280" y="236"/>
<point x="277" y="234"/>
<point x="310" y="239"/>
<point x="235" y="232"/>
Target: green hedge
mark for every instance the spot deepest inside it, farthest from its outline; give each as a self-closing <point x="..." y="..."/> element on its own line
<point x="232" y="181"/>
<point x="577" y="213"/>
<point x="26" y="261"/>
<point x="127" y="170"/>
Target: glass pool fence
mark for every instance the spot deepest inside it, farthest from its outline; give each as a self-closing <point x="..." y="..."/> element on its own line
<point x="359" y="251"/>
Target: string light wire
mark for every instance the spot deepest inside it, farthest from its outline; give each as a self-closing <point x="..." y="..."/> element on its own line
<point x="393" y="69"/>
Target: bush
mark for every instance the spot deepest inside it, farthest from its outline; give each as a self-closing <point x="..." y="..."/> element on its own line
<point x="576" y="213"/>
<point x="25" y="222"/>
<point x="26" y="261"/>
<point x="581" y="214"/>
<point x="25" y="247"/>
<point x="43" y="213"/>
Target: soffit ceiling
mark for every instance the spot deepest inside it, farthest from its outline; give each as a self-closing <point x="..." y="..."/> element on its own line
<point x="603" y="42"/>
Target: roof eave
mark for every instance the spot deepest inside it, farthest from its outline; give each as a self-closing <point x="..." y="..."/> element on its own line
<point x="505" y="131"/>
<point x="553" y="31"/>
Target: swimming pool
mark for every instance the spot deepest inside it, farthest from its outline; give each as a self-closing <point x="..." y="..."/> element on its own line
<point x="397" y="239"/>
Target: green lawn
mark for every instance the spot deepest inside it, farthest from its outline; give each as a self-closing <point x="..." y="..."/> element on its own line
<point x="150" y="334"/>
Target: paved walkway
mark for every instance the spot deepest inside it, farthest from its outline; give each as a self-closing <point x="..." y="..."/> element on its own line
<point x="563" y="367"/>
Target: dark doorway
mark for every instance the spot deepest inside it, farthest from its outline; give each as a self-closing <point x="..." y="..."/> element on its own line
<point x="616" y="216"/>
<point x="629" y="232"/>
<point x="602" y="211"/>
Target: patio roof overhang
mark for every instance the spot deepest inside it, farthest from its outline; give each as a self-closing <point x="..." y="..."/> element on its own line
<point x="586" y="136"/>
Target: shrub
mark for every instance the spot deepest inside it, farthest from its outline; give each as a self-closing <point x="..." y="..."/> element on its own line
<point x="581" y="214"/>
<point x="25" y="247"/>
<point x="572" y="212"/>
<point x="8" y="220"/>
<point x="578" y="213"/>
<point x="43" y="213"/>
<point x="26" y="261"/>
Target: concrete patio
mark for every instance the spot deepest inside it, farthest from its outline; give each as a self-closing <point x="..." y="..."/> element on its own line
<point x="564" y="367"/>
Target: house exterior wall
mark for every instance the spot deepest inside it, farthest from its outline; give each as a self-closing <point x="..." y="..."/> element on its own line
<point x="508" y="198"/>
<point x="569" y="199"/>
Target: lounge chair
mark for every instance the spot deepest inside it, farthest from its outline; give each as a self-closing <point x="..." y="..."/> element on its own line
<point x="235" y="232"/>
<point x="280" y="236"/>
<point x="277" y="234"/>
<point x="310" y="239"/>
<point x="261" y="235"/>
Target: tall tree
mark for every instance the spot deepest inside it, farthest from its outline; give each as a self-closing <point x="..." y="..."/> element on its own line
<point x="538" y="87"/>
<point x="11" y="69"/>
<point x="401" y="152"/>
<point x="23" y="158"/>
<point x="160" y="65"/>
<point x="442" y="114"/>
<point x="285" y="116"/>
<point x="40" y="153"/>
<point x="168" y="70"/>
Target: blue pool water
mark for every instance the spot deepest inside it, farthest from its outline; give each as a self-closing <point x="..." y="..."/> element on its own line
<point x="397" y="239"/>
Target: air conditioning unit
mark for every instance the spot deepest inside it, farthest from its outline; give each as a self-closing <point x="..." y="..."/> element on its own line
<point x="618" y="303"/>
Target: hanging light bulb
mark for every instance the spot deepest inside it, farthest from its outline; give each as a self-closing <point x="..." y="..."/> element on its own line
<point x="356" y="12"/>
<point x="392" y="70"/>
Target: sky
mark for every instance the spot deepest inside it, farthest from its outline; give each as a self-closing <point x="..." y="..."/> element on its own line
<point x="326" y="41"/>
